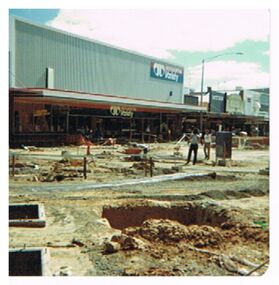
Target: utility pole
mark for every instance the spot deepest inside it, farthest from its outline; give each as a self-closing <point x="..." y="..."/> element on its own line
<point x="202" y="79"/>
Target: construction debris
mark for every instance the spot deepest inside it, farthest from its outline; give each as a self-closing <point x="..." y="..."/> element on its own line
<point x="127" y="242"/>
<point x="130" y="218"/>
<point x="264" y="171"/>
<point x="111" y="247"/>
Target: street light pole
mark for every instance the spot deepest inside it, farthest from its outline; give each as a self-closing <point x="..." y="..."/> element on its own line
<point x="202" y="80"/>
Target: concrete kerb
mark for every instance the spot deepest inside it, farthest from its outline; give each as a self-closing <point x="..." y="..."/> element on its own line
<point x="32" y="262"/>
<point x="27" y="215"/>
<point x="92" y="186"/>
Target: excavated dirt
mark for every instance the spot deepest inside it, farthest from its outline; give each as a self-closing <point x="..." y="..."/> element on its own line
<point x="212" y="225"/>
<point x="168" y="232"/>
<point x="199" y="224"/>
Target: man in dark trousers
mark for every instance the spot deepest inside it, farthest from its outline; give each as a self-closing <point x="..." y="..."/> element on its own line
<point x="194" y="144"/>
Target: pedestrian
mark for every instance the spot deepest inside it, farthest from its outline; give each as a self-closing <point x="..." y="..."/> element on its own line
<point x="194" y="144"/>
<point x="98" y="133"/>
<point x="207" y="144"/>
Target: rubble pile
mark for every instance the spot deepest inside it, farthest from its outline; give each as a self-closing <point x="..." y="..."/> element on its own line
<point x="168" y="231"/>
<point x="122" y="242"/>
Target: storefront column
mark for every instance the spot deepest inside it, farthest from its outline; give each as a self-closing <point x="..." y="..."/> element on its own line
<point x="67" y="121"/>
<point x="130" y="136"/>
<point x="11" y="117"/>
<point x="51" y="119"/>
<point x="160" y="126"/>
<point x="142" y="130"/>
<point x="33" y="120"/>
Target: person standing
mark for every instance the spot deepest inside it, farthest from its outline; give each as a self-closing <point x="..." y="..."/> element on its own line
<point x="99" y="132"/>
<point x="207" y="144"/>
<point x="194" y="145"/>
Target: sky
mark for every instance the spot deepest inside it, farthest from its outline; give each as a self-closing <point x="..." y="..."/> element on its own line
<point x="184" y="37"/>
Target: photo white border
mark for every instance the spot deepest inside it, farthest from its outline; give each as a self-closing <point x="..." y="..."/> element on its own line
<point x="270" y="276"/>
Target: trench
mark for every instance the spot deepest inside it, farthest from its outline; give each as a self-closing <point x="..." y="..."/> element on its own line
<point x="121" y="217"/>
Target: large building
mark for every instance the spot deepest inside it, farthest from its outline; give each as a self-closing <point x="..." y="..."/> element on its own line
<point x="62" y="84"/>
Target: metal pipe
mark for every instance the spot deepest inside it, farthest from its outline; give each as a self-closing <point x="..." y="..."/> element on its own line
<point x="84" y="168"/>
<point x="145" y="167"/>
<point x="151" y="166"/>
<point x="13" y="165"/>
<point x="113" y="184"/>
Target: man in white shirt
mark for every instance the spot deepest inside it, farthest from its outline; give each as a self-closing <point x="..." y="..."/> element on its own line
<point x="207" y="143"/>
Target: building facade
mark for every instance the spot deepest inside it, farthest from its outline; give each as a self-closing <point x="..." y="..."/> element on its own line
<point x="42" y="57"/>
<point x="237" y="110"/>
<point x="62" y="84"/>
<point x="235" y="104"/>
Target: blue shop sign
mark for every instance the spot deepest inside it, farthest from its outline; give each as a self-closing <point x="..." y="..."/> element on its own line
<point x="166" y="72"/>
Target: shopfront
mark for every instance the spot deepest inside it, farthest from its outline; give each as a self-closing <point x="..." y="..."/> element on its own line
<point x="40" y="114"/>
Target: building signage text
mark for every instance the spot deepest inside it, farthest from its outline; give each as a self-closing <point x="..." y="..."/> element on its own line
<point x="218" y="98"/>
<point x="41" y="113"/>
<point x="166" y="72"/>
<point x="122" y="111"/>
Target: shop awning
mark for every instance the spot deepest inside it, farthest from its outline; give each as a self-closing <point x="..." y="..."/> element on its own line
<point x="100" y="101"/>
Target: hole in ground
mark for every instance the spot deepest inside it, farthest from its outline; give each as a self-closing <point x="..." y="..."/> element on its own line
<point x="17" y="212"/>
<point x="25" y="263"/>
<point x="124" y="216"/>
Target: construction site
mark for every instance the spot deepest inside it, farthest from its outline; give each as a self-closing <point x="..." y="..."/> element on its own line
<point x="118" y="211"/>
<point x="101" y="178"/>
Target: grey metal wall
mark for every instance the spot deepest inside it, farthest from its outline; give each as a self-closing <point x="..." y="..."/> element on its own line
<point x="217" y="102"/>
<point x="83" y="65"/>
<point x="191" y="100"/>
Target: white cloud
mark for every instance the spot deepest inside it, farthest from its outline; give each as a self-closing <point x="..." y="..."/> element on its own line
<point x="155" y="32"/>
<point x="226" y="75"/>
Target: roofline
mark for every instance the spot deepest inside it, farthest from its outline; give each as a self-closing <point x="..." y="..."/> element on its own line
<point x="244" y="89"/>
<point x="93" y="41"/>
<point x="47" y="92"/>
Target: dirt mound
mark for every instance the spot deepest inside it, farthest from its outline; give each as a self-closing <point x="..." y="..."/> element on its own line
<point x="153" y="271"/>
<point x="168" y="231"/>
<point x="254" y="192"/>
<point x="255" y="234"/>
<point x="228" y="194"/>
<point x="214" y="194"/>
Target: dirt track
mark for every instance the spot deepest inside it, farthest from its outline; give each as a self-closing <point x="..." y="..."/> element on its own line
<point x="226" y="221"/>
